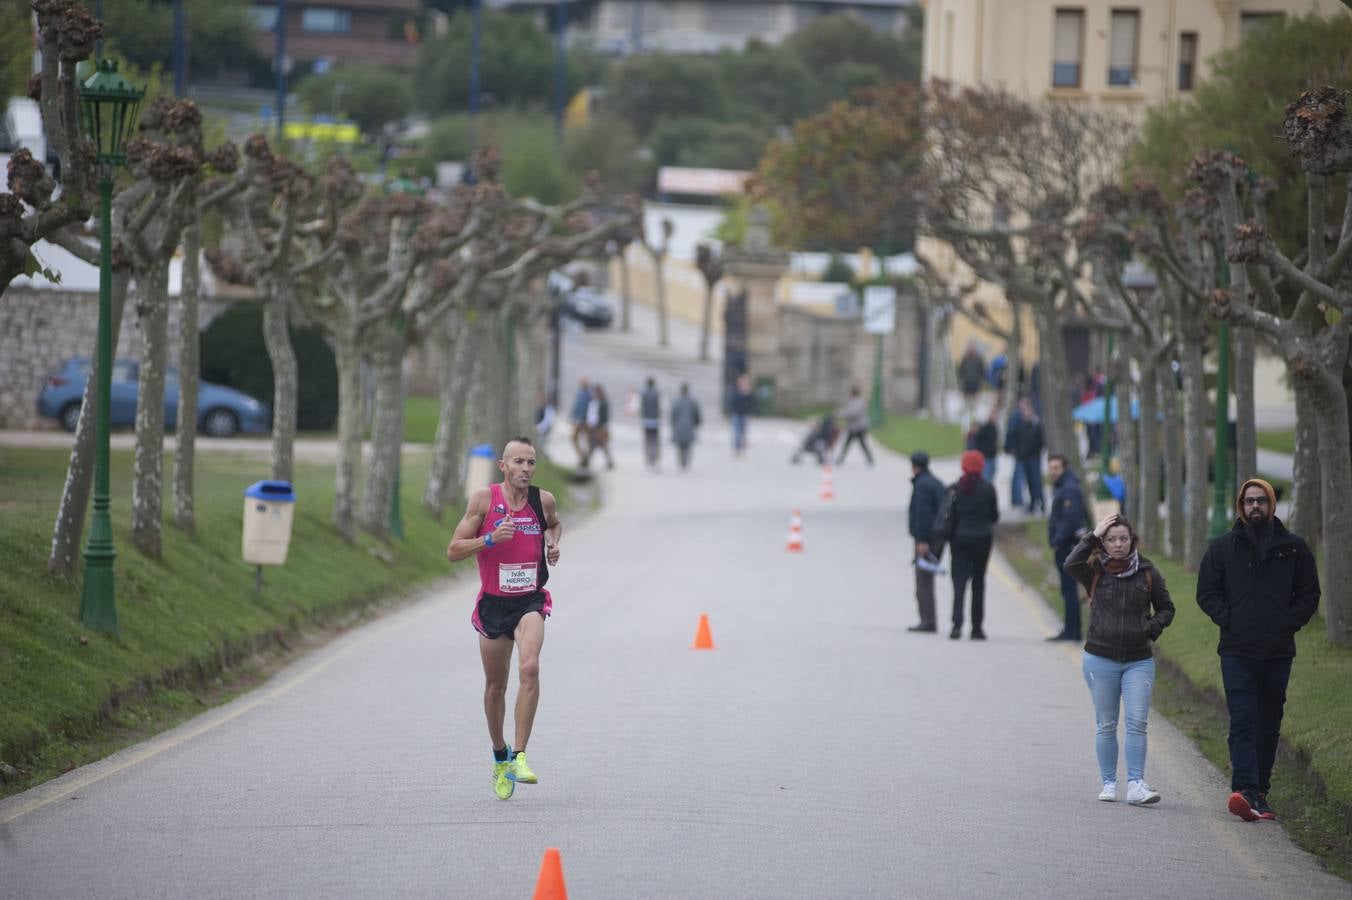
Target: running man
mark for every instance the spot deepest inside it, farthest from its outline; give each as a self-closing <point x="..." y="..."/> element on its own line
<point x="514" y="529"/>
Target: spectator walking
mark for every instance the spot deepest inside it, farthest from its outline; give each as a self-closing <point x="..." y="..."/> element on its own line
<point x="927" y="494"/>
<point x="685" y="420"/>
<point x="855" y="415"/>
<point x="1016" y="482"/>
<point x="971" y="374"/>
<point x="1129" y="607"/>
<point x="741" y="407"/>
<point x="985" y="438"/>
<point x="650" y="414"/>
<point x="577" y="414"/>
<point x="598" y="427"/>
<point x="975" y="512"/>
<point x="1064" y="524"/>
<point x="1258" y="582"/>
<point x="1028" y="454"/>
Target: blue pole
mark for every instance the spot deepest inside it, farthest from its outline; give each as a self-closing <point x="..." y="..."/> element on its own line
<point x="279" y="61"/>
<point x="476" y="24"/>
<point x="180" y="62"/>
<point x="560" y="68"/>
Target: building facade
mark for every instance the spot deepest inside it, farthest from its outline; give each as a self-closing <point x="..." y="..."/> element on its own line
<point x="383" y="32"/>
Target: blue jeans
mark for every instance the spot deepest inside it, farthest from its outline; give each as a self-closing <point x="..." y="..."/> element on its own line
<point x="1031" y="466"/>
<point x="988" y="470"/>
<point x="739" y="432"/>
<point x="1070" y="592"/>
<point x="1255" y="692"/>
<point x="1130" y="683"/>
<point x="1016" y="484"/>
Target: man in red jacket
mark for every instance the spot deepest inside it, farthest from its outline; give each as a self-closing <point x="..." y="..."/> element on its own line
<point x="1258" y="582"/>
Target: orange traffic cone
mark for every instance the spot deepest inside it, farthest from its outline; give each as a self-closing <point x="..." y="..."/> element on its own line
<point x="795" y="533"/>
<point x="550" y="884"/>
<point x="828" y="489"/>
<point x="703" y="639"/>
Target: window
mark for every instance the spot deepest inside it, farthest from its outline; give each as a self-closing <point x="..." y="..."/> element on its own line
<point x="264" y="17"/>
<point x="125" y="370"/>
<point x="326" y="20"/>
<point x="1251" y="22"/>
<point x="1187" y="59"/>
<point x="1068" y="48"/>
<point x="1122" y="37"/>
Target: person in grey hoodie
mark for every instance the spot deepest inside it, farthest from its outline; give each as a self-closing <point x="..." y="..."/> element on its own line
<point x="685" y="419"/>
<point x="855" y="415"/>
<point x="650" y="413"/>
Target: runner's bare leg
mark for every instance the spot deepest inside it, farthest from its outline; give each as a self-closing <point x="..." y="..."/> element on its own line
<point x="530" y="637"/>
<point x="497" y="659"/>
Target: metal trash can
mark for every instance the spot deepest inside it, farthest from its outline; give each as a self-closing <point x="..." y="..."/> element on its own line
<point x="269" y="507"/>
<point x="479" y="471"/>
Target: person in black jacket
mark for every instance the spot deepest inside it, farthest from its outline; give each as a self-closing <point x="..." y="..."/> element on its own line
<point x="1259" y="583"/>
<point x="1129" y="606"/>
<point x="927" y="493"/>
<point x="986" y="439"/>
<point x="1066" y="520"/>
<point x="975" y="512"/>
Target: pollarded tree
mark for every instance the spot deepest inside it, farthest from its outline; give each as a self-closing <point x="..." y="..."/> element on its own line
<point x="710" y="266"/>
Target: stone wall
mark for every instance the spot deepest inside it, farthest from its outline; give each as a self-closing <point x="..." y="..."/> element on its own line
<point x="39" y="330"/>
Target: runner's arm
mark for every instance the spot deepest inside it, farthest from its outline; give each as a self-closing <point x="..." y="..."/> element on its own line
<point x="466" y="542"/>
<point x="553" y="527"/>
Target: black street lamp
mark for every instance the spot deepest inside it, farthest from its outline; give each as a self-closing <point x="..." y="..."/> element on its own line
<point x="108" y="108"/>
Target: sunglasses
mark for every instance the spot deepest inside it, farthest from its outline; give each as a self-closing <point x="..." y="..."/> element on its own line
<point x="1255" y="501"/>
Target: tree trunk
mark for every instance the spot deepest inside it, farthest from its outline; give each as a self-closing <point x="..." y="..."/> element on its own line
<point x="347" y="358"/>
<point x="1330" y="405"/>
<point x="74" y="506"/>
<point x="452" y="344"/>
<point x="1246" y="437"/>
<point x="625" y="296"/>
<point x="387" y="432"/>
<point x="189" y="354"/>
<point x="1306" y="516"/>
<point x="285" y="379"/>
<point x="1173" y="461"/>
<point x="1195" y="454"/>
<point x="940" y="367"/>
<point x="1148" y="507"/>
<point x="1055" y="407"/>
<point x="708" y="322"/>
<point x="1126" y="428"/>
<point x="659" y="269"/>
<point x="147" y="487"/>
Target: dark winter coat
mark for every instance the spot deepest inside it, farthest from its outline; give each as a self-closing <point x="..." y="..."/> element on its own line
<point x="1259" y="600"/>
<point x="986" y="438"/>
<point x="1125" y="614"/>
<point x="976" y="512"/>
<point x="927" y="492"/>
<point x="1067" y="515"/>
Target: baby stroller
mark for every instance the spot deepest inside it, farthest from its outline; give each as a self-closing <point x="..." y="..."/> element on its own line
<point x="819" y="440"/>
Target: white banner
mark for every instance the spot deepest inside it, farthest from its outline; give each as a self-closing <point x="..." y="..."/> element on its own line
<point x="880" y="309"/>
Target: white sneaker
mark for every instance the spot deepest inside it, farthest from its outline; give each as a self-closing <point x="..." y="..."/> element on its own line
<point x="1139" y="794"/>
<point x="1109" y="792"/>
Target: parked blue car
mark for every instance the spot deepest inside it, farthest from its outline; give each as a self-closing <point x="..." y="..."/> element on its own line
<point x="221" y="411"/>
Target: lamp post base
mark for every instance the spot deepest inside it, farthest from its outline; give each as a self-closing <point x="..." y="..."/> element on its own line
<point x="97" y="608"/>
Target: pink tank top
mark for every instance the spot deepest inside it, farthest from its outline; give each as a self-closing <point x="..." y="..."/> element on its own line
<point x="511" y="568"/>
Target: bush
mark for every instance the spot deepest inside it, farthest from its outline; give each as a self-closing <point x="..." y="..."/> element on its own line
<point x="369" y="95"/>
<point x="233" y="355"/>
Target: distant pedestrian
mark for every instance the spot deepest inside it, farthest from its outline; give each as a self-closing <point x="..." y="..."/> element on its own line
<point x="976" y="509"/>
<point x="544" y="421"/>
<point x="1129" y="607"/>
<point x="927" y="493"/>
<point x="855" y="415"/>
<point x="685" y="421"/>
<point x="1259" y="583"/>
<point x="741" y="406"/>
<point x="577" y="414"/>
<point x="1013" y="425"/>
<point x="971" y="375"/>
<point x="598" y="427"/>
<point x="650" y="415"/>
<point x="1064" y="524"/>
<point x="985" y="439"/>
<point x="1028" y="448"/>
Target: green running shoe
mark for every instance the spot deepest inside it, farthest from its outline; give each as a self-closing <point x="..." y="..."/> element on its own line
<point x="520" y="769"/>
<point x="503" y="785"/>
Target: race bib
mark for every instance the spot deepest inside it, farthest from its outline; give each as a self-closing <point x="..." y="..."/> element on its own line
<point x="516" y="578"/>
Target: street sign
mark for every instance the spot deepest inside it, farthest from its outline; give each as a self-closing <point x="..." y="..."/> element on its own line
<point x="880" y="309"/>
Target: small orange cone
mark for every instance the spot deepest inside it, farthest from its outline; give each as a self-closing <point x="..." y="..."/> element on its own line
<point x="795" y="533"/>
<point x="550" y="885"/>
<point x="703" y="639"/>
<point x="828" y="489"/>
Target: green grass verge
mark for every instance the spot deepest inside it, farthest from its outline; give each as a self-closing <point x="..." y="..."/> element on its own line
<point x="1281" y="440"/>
<point x="906" y="434"/>
<point x="191" y="628"/>
<point x="420" y="419"/>
<point x="1312" y="782"/>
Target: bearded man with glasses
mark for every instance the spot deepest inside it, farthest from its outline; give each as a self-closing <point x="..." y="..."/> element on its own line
<point x="1258" y="582"/>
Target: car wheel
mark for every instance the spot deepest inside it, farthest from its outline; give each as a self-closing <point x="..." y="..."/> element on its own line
<point x="70" y="416"/>
<point x="220" y="423"/>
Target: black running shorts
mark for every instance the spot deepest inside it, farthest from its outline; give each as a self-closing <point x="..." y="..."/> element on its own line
<point x="496" y="616"/>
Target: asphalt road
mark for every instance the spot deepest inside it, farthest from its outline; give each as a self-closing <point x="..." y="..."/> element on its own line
<point x="820" y="751"/>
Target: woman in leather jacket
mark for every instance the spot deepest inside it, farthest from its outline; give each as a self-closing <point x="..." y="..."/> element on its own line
<point x="1129" y="606"/>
